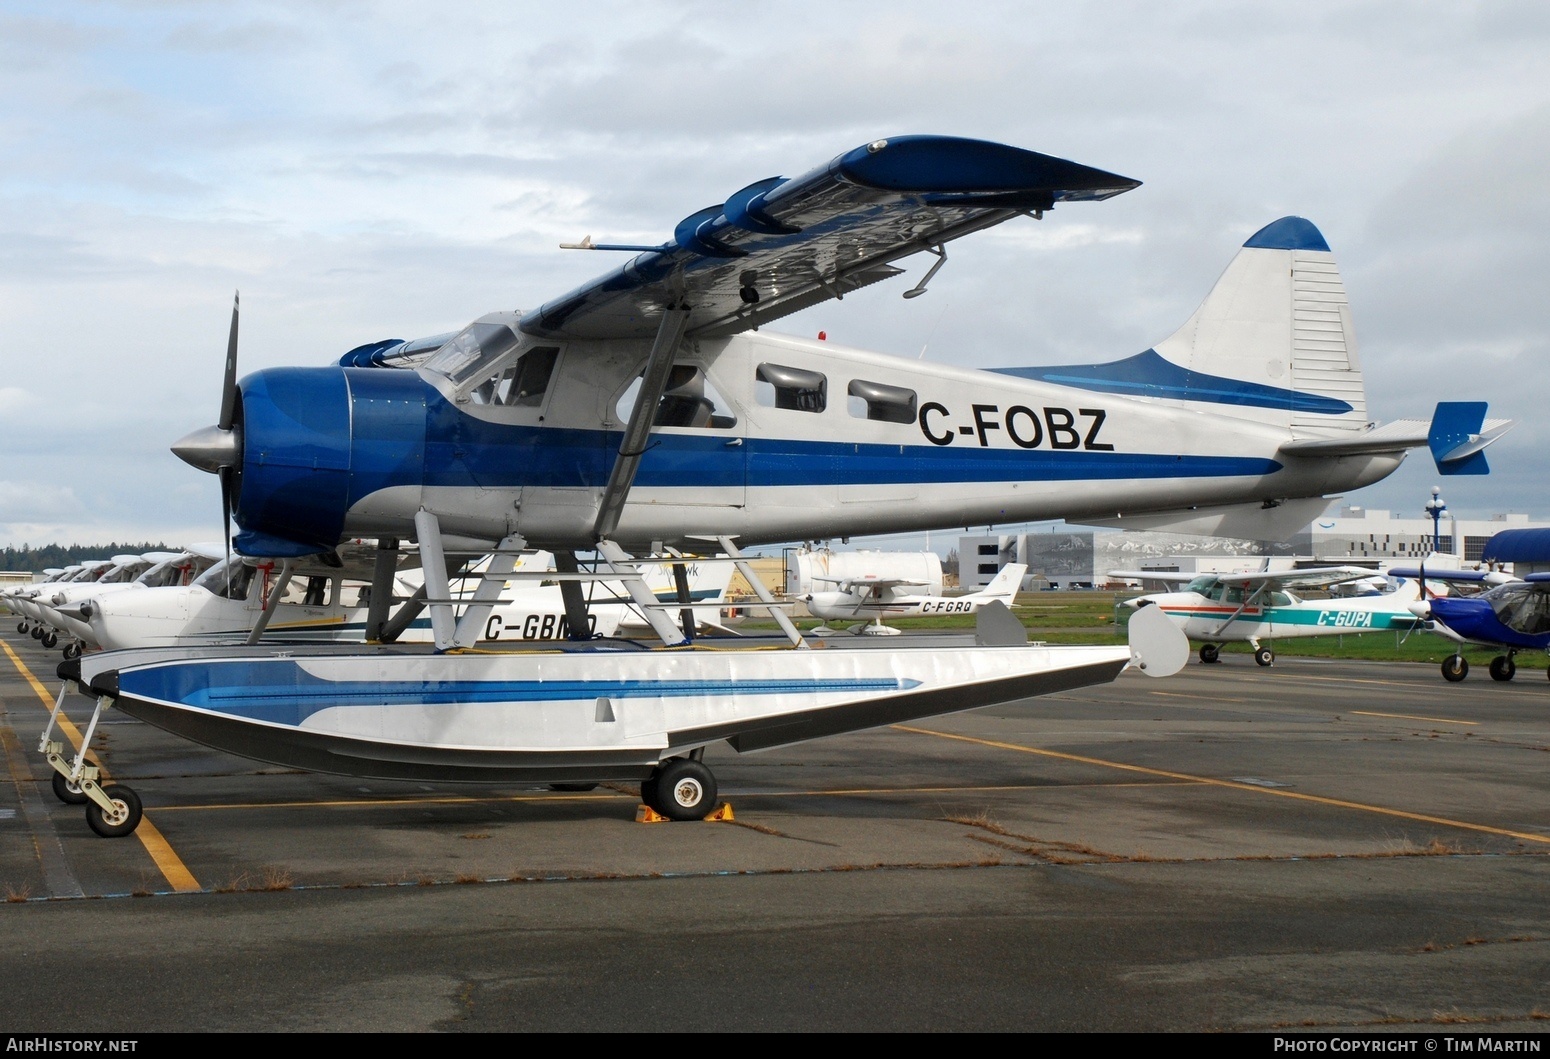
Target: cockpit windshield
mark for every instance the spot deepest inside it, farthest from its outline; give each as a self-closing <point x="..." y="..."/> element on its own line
<point x="215" y="579"/>
<point x="1524" y="608"/>
<point x="1203" y="585"/>
<point x="471" y="349"/>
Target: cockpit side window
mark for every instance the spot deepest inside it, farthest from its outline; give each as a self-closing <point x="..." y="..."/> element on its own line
<point x="522" y="384"/>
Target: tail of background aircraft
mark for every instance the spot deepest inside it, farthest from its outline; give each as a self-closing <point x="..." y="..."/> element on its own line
<point x="1005" y="584"/>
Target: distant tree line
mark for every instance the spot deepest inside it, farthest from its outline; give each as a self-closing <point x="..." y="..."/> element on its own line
<point x="61" y="555"/>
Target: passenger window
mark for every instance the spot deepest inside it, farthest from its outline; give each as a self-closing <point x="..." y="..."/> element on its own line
<point x="306" y="591"/>
<point x="689" y="400"/>
<point x="777" y="386"/>
<point x="886" y="404"/>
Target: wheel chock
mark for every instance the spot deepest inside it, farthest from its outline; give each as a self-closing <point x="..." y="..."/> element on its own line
<point x="723" y="812"/>
<point x="645" y="814"/>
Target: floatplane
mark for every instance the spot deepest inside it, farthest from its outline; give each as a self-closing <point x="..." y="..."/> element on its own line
<point x="649" y="410"/>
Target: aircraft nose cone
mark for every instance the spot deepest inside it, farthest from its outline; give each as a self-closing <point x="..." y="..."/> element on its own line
<point x="208" y="448"/>
<point x="1421" y="609"/>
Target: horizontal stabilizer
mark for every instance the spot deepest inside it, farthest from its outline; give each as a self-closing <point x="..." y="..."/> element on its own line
<point x="1459" y="436"/>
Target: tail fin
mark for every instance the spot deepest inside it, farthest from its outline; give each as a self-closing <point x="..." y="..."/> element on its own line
<point x="1005" y="584"/>
<point x="1272" y="342"/>
<point x="1277" y="329"/>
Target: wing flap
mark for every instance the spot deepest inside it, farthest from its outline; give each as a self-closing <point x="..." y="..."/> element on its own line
<point x="778" y="246"/>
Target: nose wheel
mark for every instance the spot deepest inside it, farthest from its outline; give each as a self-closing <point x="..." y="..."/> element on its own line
<point x="112" y="811"/>
<point x="1455" y="669"/>
<point x="1210" y="653"/>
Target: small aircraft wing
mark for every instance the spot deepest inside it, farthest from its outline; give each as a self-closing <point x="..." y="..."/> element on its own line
<point x="1311" y="577"/>
<point x="873" y="587"/>
<point x="1168" y="577"/>
<point x="779" y="245"/>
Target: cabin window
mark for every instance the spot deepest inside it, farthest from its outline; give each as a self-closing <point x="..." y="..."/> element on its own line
<point x="777" y="386"/>
<point x="520" y="385"/>
<point x="881" y="402"/>
<point x="689" y="400"/>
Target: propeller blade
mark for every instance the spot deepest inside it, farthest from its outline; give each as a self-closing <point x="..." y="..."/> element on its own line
<point x="229" y="387"/>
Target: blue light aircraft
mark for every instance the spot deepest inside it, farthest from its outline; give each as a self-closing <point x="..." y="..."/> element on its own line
<point x="649" y="409"/>
<point x="1511" y="615"/>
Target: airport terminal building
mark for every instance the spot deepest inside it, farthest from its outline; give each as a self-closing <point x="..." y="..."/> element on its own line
<point x="1067" y="557"/>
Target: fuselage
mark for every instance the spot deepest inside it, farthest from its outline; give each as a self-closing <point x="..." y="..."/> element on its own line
<point x="765" y="438"/>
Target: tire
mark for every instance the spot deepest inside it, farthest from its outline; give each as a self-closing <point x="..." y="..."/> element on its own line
<point x="1264" y="656"/>
<point x="1503" y="668"/>
<point x="129" y="803"/>
<point x="1210" y="653"/>
<point x="36" y="632"/>
<point x="50" y="639"/>
<point x="648" y="790"/>
<point x="21" y="626"/>
<point x="1455" y="669"/>
<point x="68" y="793"/>
<point x="72" y="650"/>
<point x="686" y="790"/>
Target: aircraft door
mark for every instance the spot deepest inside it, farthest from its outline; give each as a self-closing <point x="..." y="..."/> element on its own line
<point x="698" y="441"/>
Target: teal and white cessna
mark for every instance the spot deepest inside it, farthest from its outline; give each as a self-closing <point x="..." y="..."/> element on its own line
<point x="1246" y="608"/>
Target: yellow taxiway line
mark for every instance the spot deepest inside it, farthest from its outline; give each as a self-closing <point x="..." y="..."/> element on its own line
<point x="1317" y="799"/>
<point x="171" y="865"/>
<point x="1409" y="717"/>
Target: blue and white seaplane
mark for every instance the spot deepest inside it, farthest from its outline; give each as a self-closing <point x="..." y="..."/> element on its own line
<point x="649" y="410"/>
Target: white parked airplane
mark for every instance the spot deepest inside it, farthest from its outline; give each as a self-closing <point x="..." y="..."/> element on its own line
<point x="871" y="599"/>
<point x="243" y="600"/>
<point x="1249" y="607"/>
<point x="649" y="408"/>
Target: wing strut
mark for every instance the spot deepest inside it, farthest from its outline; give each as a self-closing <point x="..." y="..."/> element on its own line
<point x="381" y="588"/>
<point x="653" y="383"/>
<point x="621" y="563"/>
<point x="488" y="593"/>
<point x="780" y="616"/>
<point x="280" y="584"/>
<point x="1247" y="601"/>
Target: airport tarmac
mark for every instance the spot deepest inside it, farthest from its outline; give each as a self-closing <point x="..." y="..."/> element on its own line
<point x="1318" y="846"/>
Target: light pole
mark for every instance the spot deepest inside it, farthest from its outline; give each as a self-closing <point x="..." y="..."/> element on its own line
<point x="1436" y="507"/>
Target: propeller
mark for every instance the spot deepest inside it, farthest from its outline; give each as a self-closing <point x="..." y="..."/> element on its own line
<point x="218" y="449"/>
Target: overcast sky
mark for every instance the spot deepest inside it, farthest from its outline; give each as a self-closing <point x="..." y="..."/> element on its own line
<point x="373" y="170"/>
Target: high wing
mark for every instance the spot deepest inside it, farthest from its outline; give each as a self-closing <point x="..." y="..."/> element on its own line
<point x="778" y="245"/>
<point x="1168" y="577"/>
<point x="1312" y="577"/>
<point x="875" y="588"/>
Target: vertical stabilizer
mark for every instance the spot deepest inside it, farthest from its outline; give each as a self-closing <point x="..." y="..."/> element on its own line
<point x="1005" y="584"/>
<point x="1278" y="324"/>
